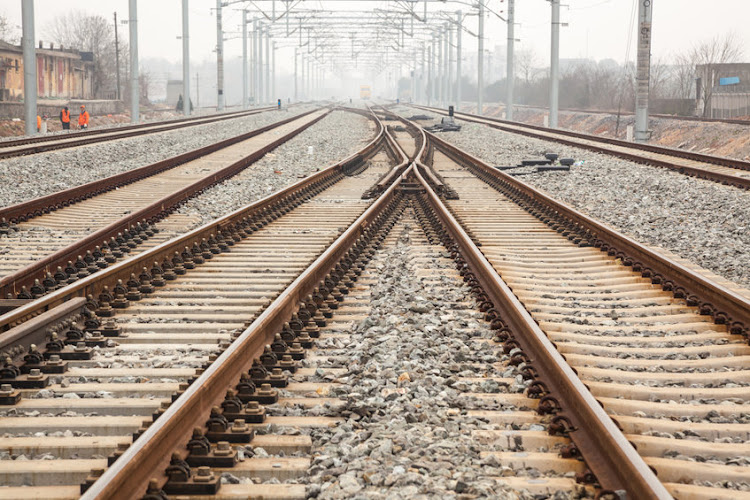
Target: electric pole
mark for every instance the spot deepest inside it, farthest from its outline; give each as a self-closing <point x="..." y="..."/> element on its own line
<point x="510" y="73"/>
<point x="480" y="60"/>
<point x="643" y="70"/>
<point x="117" y="58"/>
<point x="267" y="85"/>
<point x="29" y="67"/>
<point x="459" y="20"/>
<point x="554" y="67"/>
<point x="185" y="59"/>
<point x="244" y="59"/>
<point x="135" y="91"/>
<point x="219" y="60"/>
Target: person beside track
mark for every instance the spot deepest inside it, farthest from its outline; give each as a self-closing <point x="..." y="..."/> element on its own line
<point x="83" y="118"/>
<point x="65" y="118"/>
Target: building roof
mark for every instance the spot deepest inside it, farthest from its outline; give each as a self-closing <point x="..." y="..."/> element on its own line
<point x="9" y="47"/>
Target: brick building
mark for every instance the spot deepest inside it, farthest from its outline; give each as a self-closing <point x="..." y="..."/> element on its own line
<point x="61" y="73"/>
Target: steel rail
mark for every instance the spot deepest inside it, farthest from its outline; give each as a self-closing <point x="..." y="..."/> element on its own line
<point x="724" y="305"/>
<point x="93" y="284"/>
<point x="606" y="451"/>
<point x="608" y="454"/>
<point x="150" y="454"/>
<point x="716" y="160"/>
<point x="25" y="210"/>
<point x="513" y="127"/>
<point x="12" y="283"/>
<point x="39" y="144"/>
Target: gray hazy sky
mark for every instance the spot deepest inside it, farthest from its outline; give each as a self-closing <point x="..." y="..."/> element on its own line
<point x="597" y="29"/>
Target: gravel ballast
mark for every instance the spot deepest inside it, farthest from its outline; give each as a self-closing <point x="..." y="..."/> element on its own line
<point x="31" y="176"/>
<point x="406" y="432"/>
<point x="335" y="137"/>
<point x="702" y="221"/>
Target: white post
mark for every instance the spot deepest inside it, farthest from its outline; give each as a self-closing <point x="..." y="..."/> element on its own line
<point x="135" y="93"/>
<point x="185" y="59"/>
<point x="510" y="74"/>
<point x="29" y="66"/>
<point x="261" y="89"/>
<point x="244" y="59"/>
<point x="554" y="67"/>
<point x="295" y="74"/>
<point x="254" y="63"/>
<point x="273" y="71"/>
<point x="439" y="80"/>
<point x="219" y="60"/>
<point x="414" y="77"/>
<point x="422" y="89"/>
<point x="643" y="70"/>
<point x="480" y="60"/>
<point x="267" y="73"/>
<point x="446" y="65"/>
<point x="430" y="84"/>
<point x="459" y="20"/>
<point x="449" y="90"/>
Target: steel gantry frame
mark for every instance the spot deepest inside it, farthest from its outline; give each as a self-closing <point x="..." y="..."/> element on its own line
<point x="404" y="28"/>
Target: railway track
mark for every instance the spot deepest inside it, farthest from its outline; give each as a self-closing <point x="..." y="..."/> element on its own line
<point x="559" y="301"/>
<point x="105" y="397"/>
<point x="38" y="144"/>
<point x="106" y="219"/>
<point x="723" y="170"/>
<point x="659" y="357"/>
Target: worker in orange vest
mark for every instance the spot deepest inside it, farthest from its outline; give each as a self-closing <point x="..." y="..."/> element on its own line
<point x="38" y="123"/>
<point x="65" y="118"/>
<point x="83" y="118"/>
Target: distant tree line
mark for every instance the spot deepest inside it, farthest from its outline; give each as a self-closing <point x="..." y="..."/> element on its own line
<point x="607" y="85"/>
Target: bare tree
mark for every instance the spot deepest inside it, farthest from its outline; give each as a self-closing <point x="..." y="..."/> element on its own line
<point x="8" y="32"/>
<point x="659" y="76"/>
<point x="525" y="63"/>
<point x="683" y="76"/>
<point x="708" y="55"/>
<point x="88" y="33"/>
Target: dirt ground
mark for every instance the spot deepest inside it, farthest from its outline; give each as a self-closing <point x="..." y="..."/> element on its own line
<point x="719" y="139"/>
<point x="10" y="128"/>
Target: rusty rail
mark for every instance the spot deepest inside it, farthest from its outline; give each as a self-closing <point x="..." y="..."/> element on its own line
<point x="605" y="449"/>
<point x="93" y="284"/>
<point x="39" y="144"/>
<point x="12" y="283"/>
<point x="724" y="305"/>
<point x="45" y="204"/>
<point x="513" y="127"/>
<point x="150" y="454"/>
